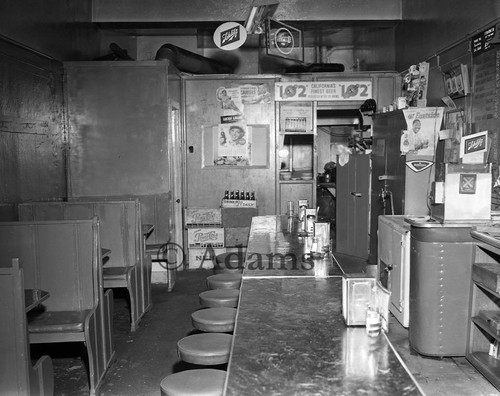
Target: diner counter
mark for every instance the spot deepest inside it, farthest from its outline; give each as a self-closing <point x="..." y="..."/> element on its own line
<point x="290" y="337"/>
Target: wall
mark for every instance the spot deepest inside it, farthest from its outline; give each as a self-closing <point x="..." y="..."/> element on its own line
<point x="206" y="184"/>
<point x="32" y="131"/>
<point x="59" y="28"/>
<point x="429" y="27"/>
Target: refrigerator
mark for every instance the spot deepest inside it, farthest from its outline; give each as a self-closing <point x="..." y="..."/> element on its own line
<point x="401" y="184"/>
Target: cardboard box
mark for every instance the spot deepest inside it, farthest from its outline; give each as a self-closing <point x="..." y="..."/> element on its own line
<point x="203" y="258"/>
<point x="203" y="217"/>
<point x="238" y="217"/>
<point x="238" y="203"/>
<point x="236" y="236"/>
<point x="205" y="236"/>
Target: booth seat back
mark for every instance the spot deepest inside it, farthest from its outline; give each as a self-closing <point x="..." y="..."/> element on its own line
<point x="60" y="257"/>
<point x="120" y="224"/>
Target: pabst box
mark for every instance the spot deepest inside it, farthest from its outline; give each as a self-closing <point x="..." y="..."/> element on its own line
<point x="205" y="236"/>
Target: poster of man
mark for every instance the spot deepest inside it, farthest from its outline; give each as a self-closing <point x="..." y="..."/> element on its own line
<point x="233" y="140"/>
<point x="423" y="125"/>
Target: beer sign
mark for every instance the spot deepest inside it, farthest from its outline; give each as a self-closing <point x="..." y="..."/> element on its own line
<point x="229" y="36"/>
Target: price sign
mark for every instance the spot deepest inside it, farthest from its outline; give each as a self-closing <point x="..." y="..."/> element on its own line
<point x="342" y="90"/>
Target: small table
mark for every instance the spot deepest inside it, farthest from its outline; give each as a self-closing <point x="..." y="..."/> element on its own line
<point x="34" y="297"/>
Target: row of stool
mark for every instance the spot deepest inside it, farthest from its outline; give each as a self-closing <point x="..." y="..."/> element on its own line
<point x="216" y="321"/>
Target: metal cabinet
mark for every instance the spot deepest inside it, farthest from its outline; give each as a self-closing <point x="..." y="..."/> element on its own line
<point x="394" y="264"/>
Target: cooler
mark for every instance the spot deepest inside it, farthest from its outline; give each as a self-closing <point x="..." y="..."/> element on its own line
<point x="440" y="276"/>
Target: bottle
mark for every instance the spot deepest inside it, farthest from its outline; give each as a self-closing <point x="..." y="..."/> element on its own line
<point x="237" y="194"/>
<point x="247" y="196"/>
<point x="373" y="322"/>
<point x="252" y="197"/>
<point x="226" y="194"/>
<point x="232" y="195"/>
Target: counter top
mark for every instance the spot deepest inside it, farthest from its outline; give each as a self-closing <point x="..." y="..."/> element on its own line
<point x="276" y="249"/>
<point x="290" y="337"/>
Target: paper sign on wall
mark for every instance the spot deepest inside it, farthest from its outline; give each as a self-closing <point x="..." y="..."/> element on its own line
<point x="473" y="147"/>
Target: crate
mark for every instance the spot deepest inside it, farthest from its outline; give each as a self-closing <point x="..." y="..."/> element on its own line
<point x="203" y="258"/>
<point x="238" y="203"/>
<point x="205" y="236"/>
<point x="203" y="217"/>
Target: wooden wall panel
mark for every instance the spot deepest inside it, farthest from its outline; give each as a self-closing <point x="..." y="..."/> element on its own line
<point x="118" y="128"/>
<point x="32" y="128"/>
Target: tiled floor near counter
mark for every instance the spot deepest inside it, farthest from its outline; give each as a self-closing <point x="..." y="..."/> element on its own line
<point x="143" y="358"/>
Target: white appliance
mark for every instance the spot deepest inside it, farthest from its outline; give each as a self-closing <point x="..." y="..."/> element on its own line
<point x="394" y="264"/>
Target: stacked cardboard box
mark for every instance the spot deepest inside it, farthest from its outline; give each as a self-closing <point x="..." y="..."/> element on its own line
<point x="205" y="236"/>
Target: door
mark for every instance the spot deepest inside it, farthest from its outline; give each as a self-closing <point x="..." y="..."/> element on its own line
<point x="176" y="171"/>
<point x="353" y="198"/>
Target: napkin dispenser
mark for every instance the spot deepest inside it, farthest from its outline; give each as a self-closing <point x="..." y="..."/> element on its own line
<point x="356" y="293"/>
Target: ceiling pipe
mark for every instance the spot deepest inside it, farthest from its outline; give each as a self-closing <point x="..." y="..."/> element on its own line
<point x="189" y="62"/>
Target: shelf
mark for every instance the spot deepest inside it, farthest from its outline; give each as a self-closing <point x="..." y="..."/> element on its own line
<point x="483" y="324"/>
<point x="487" y="366"/>
<point x="297" y="133"/>
<point x="297" y="181"/>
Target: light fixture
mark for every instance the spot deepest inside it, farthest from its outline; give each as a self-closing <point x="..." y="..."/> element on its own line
<point x="261" y="10"/>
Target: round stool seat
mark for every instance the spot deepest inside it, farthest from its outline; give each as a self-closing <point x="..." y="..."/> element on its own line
<point x="198" y="382"/>
<point x="229" y="262"/>
<point x="228" y="280"/>
<point x="214" y="320"/>
<point x="206" y="349"/>
<point x="220" y="298"/>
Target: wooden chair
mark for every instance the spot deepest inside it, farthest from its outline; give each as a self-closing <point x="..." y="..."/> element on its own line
<point x="64" y="259"/>
<point x="121" y="232"/>
<point x="17" y="375"/>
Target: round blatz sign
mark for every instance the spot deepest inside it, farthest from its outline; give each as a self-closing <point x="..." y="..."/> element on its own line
<point x="229" y="36"/>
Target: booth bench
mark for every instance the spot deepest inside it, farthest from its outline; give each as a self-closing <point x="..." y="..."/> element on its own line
<point x="121" y="231"/>
<point x="17" y="375"/>
<point x="64" y="259"/>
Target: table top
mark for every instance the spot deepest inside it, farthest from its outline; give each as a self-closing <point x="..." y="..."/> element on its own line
<point x="33" y="297"/>
<point x="290" y="337"/>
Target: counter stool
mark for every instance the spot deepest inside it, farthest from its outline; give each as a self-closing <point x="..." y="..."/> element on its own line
<point x="219" y="298"/>
<point x="197" y="382"/>
<point x="228" y="280"/>
<point x="205" y="349"/>
<point x="214" y="320"/>
<point x="229" y="262"/>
